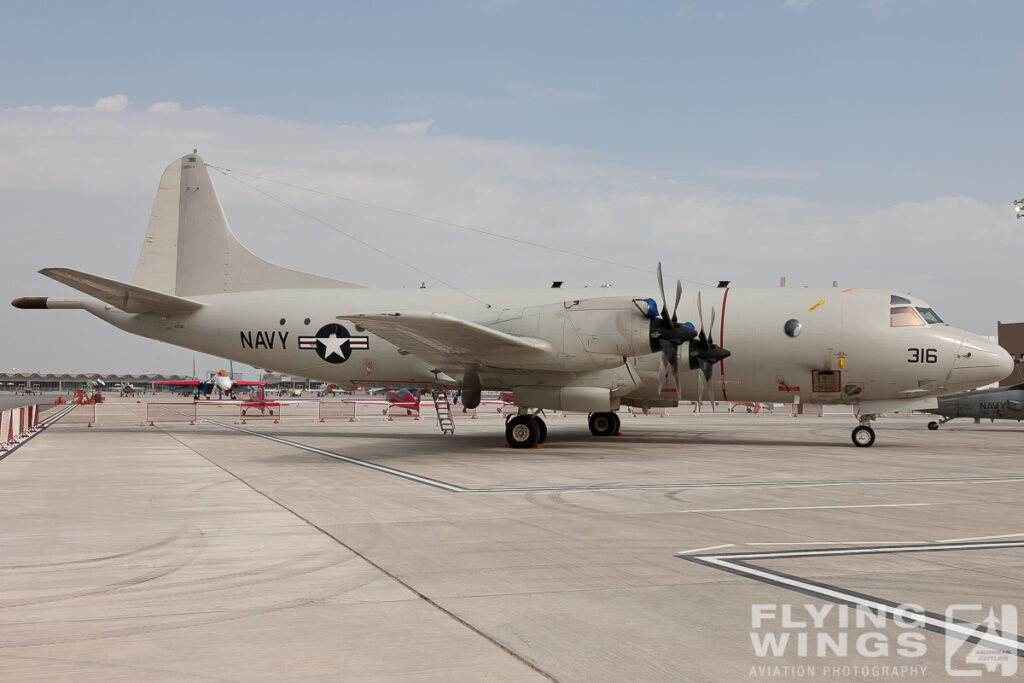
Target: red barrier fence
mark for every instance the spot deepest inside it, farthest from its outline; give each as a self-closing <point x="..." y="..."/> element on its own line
<point x="260" y="411"/>
<point x="395" y="411"/>
<point x="337" y="410"/>
<point x="170" y="412"/>
<point x="18" y="424"/>
<point x="84" y="414"/>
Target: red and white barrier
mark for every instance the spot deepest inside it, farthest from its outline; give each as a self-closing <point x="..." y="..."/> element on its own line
<point x="395" y="411"/>
<point x="170" y="412"/>
<point x="636" y="412"/>
<point x="337" y="410"/>
<point x="17" y="424"/>
<point x="260" y="411"/>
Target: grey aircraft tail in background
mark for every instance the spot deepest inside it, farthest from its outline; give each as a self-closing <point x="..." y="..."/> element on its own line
<point x="1001" y="403"/>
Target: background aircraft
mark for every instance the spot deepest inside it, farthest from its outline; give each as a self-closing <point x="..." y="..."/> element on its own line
<point x="1000" y="403"/>
<point x="579" y="350"/>
<point x="223" y="383"/>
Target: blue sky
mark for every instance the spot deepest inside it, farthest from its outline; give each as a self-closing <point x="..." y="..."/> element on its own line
<point x="859" y="101"/>
<point x="870" y="142"/>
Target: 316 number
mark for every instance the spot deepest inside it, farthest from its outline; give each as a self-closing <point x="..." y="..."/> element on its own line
<point x="923" y="356"/>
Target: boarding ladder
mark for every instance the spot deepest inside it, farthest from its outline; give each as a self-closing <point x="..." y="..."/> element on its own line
<point x="444" y="412"/>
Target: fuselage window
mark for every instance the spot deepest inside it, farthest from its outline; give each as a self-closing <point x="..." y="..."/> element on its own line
<point x="896" y="299"/>
<point x="904" y="316"/>
<point x="929" y="315"/>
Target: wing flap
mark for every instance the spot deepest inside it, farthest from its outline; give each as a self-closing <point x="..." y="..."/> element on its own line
<point x="128" y="298"/>
<point x="447" y="341"/>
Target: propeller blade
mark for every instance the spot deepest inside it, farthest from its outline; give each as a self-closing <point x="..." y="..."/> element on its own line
<point x="711" y="327"/>
<point x="661" y="287"/>
<point x="679" y="295"/>
<point x="700" y="313"/>
<point x="700" y="392"/>
<point x="711" y="394"/>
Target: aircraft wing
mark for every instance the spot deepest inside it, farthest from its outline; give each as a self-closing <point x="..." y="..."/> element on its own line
<point x="128" y="298"/>
<point x="448" y="341"/>
<point x="184" y="383"/>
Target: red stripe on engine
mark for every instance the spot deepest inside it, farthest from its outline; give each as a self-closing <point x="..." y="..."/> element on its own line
<point x="721" y="342"/>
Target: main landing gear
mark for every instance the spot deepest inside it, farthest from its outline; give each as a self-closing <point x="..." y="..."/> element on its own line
<point x="604" y="424"/>
<point x="525" y="431"/>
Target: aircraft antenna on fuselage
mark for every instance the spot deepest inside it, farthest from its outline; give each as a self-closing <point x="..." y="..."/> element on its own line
<point x="568" y="252"/>
<point x="227" y="172"/>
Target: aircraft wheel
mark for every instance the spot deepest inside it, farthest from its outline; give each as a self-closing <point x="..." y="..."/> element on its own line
<point x="863" y="436"/>
<point x="522" y="431"/>
<point x="602" y="424"/>
<point x="933" y="425"/>
<point x="618" y="423"/>
<point x="543" y="427"/>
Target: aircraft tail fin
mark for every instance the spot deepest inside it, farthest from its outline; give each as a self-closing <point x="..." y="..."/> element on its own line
<point x="189" y="248"/>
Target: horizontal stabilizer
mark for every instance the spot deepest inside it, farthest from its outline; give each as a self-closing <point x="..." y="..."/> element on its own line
<point x="128" y="298"/>
<point x="447" y="342"/>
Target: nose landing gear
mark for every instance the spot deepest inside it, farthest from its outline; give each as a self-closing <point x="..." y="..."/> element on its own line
<point x="863" y="435"/>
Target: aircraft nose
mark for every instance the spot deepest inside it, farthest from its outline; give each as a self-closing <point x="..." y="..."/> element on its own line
<point x="980" y="362"/>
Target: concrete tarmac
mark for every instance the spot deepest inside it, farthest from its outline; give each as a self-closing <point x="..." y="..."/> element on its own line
<point x="688" y="548"/>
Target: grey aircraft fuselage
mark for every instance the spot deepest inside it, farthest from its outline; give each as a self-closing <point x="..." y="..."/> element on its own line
<point x="998" y="403"/>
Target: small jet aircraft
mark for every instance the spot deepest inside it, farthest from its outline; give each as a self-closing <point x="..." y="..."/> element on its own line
<point x="257" y="400"/>
<point x="585" y="350"/>
<point x="999" y="403"/>
<point x="223" y="383"/>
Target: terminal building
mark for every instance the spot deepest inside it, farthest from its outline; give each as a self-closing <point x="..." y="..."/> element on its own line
<point x="48" y="382"/>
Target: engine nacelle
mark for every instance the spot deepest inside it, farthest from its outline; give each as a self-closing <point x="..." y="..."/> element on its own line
<point x="588" y="334"/>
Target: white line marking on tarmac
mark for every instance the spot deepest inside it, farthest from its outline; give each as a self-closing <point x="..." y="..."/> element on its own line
<point x="838" y="543"/>
<point x="873" y="551"/>
<point x="812" y="507"/>
<point x="355" y="461"/>
<point x="735" y="563"/>
<point x="907" y="616"/>
<point x="978" y="538"/>
<point x="710" y="547"/>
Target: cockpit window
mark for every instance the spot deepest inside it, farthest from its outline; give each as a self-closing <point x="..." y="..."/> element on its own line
<point x="930" y="316"/>
<point x="904" y="316"/>
<point x="895" y="299"/>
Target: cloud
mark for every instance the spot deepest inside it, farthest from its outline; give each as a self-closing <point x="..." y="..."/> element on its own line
<point x="77" y="191"/>
<point x="165" y="107"/>
<point x="113" y="103"/>
<point x="797" y="4"/>
<point x="414" y="128"/>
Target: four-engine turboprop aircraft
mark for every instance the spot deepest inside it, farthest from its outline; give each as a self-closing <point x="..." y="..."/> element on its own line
<point x="586" y="350"/>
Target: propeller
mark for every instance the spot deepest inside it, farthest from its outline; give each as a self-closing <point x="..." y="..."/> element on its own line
<point x="667" y="335"/>
<point x="704" y="353"/>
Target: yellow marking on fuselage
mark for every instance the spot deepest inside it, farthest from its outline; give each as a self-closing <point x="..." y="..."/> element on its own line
<point x="847" y="290"/>
<point x="816" y="305"/>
